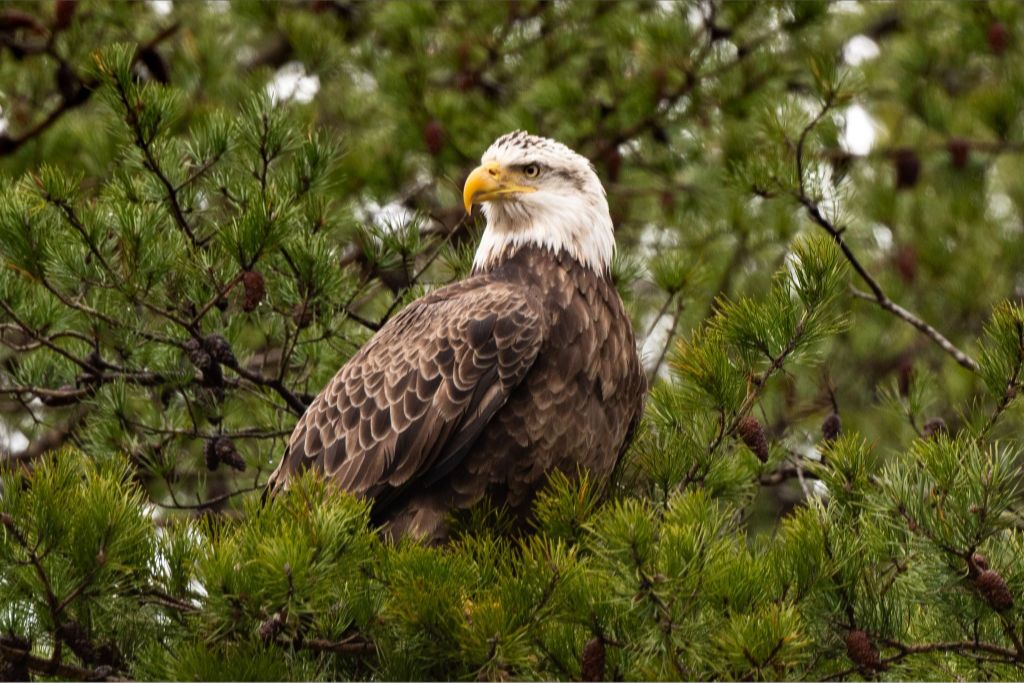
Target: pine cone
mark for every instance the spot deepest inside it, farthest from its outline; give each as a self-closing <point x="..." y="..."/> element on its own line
<point x="592" y="665"/>
<point x="905" y="263"/>
<point x="993" y="588"/>
<point x="752" y="434"/>
<point x="959" y="152"/>
<point x="934" y="426"/>
<point x="861" y="652"/>
<point x="998" y="36"/>
<point x="270" y="628"/>
<point x="64" y="11"/>
<point x="832" y="427"/>
<point x="908" y="168"/>
<point x="433" y="136"/>
<point x="255" y="289"/>
<point x="198" y="355"/>
<point x="224" y="451"/>
<point x="220" y="350"/>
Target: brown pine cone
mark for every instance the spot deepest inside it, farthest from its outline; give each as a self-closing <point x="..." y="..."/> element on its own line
<point x="255" y="290"/>
<point x="433" y="136"/>
<point x="959" y="152"/>
<point x="908" y="168"/>
<point x="861" y="651"/>
<point x="832" y="427"/>
<point x="271" y="627"/>
<point x="993" y="588"/>
<point x="220" y="350"/>
<point x="998" y="36"/>
<point x="63" y="12"/>
<point x="935" y="426"/>
<point x="752" y="434"/>
<point x="592" y="666"/>
<point x="222" y="450"/>
<point x="198" y="355"/>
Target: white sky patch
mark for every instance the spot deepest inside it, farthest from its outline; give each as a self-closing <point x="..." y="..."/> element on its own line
<point x="1000" y="208"/>
<point x="3" y="118"/>
<point x="161" y="7"/>
<point x="292" y="83"/>
<point x="391" y="216"/>
<point x="883" y="236"/>
<point x="847" y="7"/>
<point x="219" y="6"/>
<point x="859" y="135"/>
<point x="860" y="49"/>
<point x="12" y="441"/>
<point x="654" y="343"/>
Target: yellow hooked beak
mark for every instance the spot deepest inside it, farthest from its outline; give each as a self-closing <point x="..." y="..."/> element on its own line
<point x="489" y="182"/>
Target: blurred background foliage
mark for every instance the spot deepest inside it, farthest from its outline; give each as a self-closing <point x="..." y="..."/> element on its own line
<point x="206" y="207"/>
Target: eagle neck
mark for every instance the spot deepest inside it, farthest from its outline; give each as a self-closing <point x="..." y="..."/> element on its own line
<point x="535" y="266"/>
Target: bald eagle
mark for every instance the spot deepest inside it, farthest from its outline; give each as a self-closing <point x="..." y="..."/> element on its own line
<point x="485" y="386"/>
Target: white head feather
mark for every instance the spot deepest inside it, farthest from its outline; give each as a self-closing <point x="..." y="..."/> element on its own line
<point x="567" y="210"/>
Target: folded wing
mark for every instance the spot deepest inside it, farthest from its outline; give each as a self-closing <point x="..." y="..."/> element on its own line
<point x="409" y="405"/>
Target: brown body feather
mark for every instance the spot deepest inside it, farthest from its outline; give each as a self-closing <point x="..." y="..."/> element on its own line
<point x="479" y="389"/>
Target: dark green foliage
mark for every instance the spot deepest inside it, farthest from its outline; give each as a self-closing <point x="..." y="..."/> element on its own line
<point x="827" y="483"/>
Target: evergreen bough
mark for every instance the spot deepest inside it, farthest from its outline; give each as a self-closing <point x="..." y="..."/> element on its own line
<point x="827" y="482"/>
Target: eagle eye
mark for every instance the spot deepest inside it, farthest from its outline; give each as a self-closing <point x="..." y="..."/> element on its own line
<point x="531" y="170"/>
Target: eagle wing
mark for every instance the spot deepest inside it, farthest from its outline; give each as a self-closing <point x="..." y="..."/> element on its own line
<point x="408" y="406"/>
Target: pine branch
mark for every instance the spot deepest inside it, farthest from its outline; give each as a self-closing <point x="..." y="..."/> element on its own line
<point x="50" y="440"/>
<point x="209" y="503"/>
<point x="877" y="294"/>
<point x="12" y="652"/>
<point x="1013" y="385"/>
<point x="11" y="144"/>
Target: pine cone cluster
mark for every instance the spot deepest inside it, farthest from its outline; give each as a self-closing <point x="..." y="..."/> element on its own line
<point x="208" y="354"/>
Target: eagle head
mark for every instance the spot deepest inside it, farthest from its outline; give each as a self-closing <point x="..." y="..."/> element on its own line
<point x="538" y="191"/>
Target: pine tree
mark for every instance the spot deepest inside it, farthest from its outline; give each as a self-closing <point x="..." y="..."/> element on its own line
<point x="827" y="481"/>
